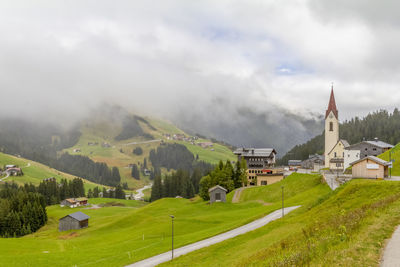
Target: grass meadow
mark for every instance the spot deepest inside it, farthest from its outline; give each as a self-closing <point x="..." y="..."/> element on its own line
<point x="121" y="234"/>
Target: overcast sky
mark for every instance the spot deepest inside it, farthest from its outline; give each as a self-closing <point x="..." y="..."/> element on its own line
<point x="61" y="58"/>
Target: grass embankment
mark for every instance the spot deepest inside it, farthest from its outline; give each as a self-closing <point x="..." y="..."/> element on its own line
<point x="117" y="236"/>
<point x="347" y="227"/>
<point x="35" y="172"/>
<point x="120" y="155"/>
<point x="395" y="156"/>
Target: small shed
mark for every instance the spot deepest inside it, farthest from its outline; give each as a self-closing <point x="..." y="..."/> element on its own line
<point x="77" y="220"/>
<point x="69" y="202"/>
<point x="217" y="194"/>
<point x="370" y="167"/>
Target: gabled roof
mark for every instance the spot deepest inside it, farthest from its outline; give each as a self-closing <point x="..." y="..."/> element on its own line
<point x="215" y="187"/>
<point x="373" y="158"/>
<point x="380" y="144"/>
<point x="375" y="143"/>
<point x="79" y="216"/>
<point x="344" y="142"/>
<point x="255" y="152"/>
<point x="332" y="106"/>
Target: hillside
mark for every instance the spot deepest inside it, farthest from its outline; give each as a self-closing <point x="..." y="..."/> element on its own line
<point x="125" y="234"/>
<point x="395" y="155"/>
<point x="102" y="140"/>
<point x="381" y="124"/>
<point x="35" y="172"/>
<point x="347" y="227"/>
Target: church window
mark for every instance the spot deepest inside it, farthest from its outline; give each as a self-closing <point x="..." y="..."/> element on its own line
<point x="335" y="155"/>
<point x="331" y="126"/>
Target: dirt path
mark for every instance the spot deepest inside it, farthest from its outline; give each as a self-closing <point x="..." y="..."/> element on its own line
<point x="144" y="142"/>
<point x="236" y="196"/>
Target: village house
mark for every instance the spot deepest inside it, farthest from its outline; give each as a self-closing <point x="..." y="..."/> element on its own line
<point x="217" y="194"/>
<point x="259" y="161"/>
<point x="205" y="144"/>
<point x="370" y="167"/>
<point x="268" y="178"/>
<point x="14" y="171"/>
<point x="371" y="148"/>
<point x="294" y="164"/>
<point x="337" y="154"/>
<point x="74" y="202"/>
<point x="50" y="179"/>
<point x="74" y="221"/>
<point x="314" y="162"/>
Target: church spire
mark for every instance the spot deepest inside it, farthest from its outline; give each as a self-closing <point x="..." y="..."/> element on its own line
<point x="332" y="106"/>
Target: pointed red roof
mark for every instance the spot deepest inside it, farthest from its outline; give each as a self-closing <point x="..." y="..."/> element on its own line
<point x="332" y="106"/>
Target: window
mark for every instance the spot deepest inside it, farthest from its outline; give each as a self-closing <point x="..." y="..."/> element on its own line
<point x="331" y="126"/>
<point x="343" y="154"/>
<point x="263" y="182"/>
<point x="374" y="149"/>
<point x="217" y="196"/>
<point x="366" y="149"/>
<point x="335" y="155"/>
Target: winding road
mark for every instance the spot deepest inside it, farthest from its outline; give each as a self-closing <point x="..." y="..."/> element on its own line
<point x="153" y="261"/>
<point x="140" y="194"/>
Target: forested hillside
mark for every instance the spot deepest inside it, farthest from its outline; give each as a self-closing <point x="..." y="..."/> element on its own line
<point x="380" y="124"/>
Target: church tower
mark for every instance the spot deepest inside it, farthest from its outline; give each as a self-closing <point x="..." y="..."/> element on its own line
<point x="331" y="127"/>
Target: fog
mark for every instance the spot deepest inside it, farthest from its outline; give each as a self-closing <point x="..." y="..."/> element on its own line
<point x="254" y="73"/>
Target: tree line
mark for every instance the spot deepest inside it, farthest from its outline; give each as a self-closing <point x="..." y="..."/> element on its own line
<point x="54" y="192"/>
<point x="22" y="211"/>
<point x="381" y="124"/>
<point x="225" y="175"/>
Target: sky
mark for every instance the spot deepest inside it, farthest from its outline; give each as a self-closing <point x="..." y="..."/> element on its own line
<point x="59" y="59"/>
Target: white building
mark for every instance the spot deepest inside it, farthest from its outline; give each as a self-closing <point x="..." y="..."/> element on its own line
<point x="350" y="156"/>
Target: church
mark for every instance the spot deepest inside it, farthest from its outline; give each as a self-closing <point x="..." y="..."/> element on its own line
<point x="334" y="147"/>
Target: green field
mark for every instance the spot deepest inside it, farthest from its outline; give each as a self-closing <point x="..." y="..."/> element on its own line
<point x="347" y="227"/>
<point x="395" y="156"/>
<point x="120" y="155"/>
<point x="35" y="172"/>
<point x="119" y="235"/>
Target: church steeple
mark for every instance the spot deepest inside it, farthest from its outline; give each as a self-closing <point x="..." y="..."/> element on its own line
<point x="332" y="106"/>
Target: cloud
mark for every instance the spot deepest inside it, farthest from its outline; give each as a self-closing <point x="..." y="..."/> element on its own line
<point x="208" y="59"/>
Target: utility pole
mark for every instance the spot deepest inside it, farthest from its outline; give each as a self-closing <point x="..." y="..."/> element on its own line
<point x="390" y="160"/>
<point x="172" y="218"/>
<point x="283" y="213"/>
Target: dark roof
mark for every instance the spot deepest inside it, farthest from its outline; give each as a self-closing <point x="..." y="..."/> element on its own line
<point x="332" y="106"/>
<point x="375" y="143"/>
<point x="375" y="159"/>
<point x="215" y="187"/>
<point x="80" y="216"/>
<point x="380" y="144"/>
<point x="294" y="162"/>
<point x="254" y="152"/>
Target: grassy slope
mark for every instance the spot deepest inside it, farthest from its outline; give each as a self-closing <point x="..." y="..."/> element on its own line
<point x="35" y="172"/>
<point x="347" y="227"/>
<point x="396" y="156"/>
<point x="115" y="234"/>
<point x="105" y="131"/>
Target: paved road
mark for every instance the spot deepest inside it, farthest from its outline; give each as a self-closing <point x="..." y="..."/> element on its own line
<point x="140" y="193"/>
<point x="391" y="256"/>
<point x="144" y="142"/>
<point x="153" y="261"/>
<point x="331" y="180"/>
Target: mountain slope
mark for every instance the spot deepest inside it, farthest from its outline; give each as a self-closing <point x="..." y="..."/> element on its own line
<point x="34" y="172"/>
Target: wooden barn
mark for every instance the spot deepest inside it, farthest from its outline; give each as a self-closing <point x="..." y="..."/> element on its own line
<point x="77" y="220"/>
<point x="217" y="194"/>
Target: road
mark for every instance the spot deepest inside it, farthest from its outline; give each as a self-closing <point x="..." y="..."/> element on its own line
<point x="144" y="142"/>
<point x="331" y="180"/>
<point x="153" y="261"/>
<point x="7" y="175"/>
<point x="391" y="256"/>
<point x="140" y="194"/>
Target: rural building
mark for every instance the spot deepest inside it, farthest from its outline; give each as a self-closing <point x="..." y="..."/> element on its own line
<point x="350" y="155"/>
<point x="336" y="155"/>
<point x="217" y="194"/>
<point x="77" y="220"/>
<point x="371" y="148"/>
<point x="314" y="162"/>
<point x="294" y="163"/>
<point x="258" y="160"/>
<point x="9" y="166"/>
<point x="74" y="202"/>
<point x="50" y="179"/>
<point x="205" y="144"/>
<point x="370" y="167"/>
<point x="269" y="178"/>
<point x="77" y="150"/>
<point x="14" y="171"/>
